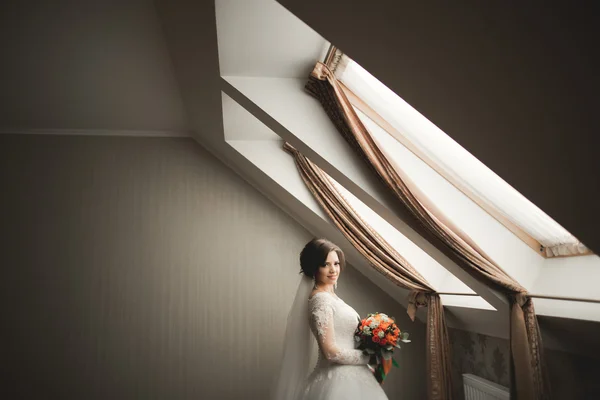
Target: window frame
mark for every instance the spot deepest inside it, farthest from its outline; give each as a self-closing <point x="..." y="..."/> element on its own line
<point x="332" y="60"/>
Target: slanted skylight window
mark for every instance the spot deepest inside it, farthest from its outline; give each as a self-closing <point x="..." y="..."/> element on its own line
<point x="382" y="111"/>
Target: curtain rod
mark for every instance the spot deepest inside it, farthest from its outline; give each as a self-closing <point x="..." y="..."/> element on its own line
<point x="329" y="56"/>
<point x="563" y="298"/>
<point x="533" y="296"/>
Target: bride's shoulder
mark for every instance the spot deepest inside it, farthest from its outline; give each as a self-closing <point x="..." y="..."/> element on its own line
<point x="314" y="294"/>
<point x="320" y="296"/>
<point x="319" y="301"/>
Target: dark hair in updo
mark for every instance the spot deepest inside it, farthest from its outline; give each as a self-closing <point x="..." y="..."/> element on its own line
<point x="315" y="253"/>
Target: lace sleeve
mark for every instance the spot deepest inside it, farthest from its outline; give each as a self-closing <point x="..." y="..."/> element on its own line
<point x="321" y="320"/>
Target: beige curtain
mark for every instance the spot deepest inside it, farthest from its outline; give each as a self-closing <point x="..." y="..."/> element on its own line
<point x="387" y="261"/>
<point x="528" y="380"/>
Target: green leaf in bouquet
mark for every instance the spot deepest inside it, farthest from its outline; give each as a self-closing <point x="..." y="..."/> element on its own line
<point x="394" y="363"/>
<point x="389" y="347"/>
<point x="397" y="346"/>
<point x="386" y="355"/>
<point x="405" y="337"/>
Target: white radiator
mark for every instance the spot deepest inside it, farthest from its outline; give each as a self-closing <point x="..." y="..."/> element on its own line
<point x="477" y="388"/>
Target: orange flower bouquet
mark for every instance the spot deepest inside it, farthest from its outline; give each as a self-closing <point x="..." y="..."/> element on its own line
<point x="378" y="335"/>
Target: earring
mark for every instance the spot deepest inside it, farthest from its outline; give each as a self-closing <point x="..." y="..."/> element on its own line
<point x="315" y="282"/>
<point x="335" y="285"/>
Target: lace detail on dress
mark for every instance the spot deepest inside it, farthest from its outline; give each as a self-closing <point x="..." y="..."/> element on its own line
<point x="335" y="330"/>
<point x="321" y="312"/>
<point x="341" y="372"/>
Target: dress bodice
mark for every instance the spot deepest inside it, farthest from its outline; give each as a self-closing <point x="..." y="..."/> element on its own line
<point x="326" y="309"/>
<point x="341" y="372"/>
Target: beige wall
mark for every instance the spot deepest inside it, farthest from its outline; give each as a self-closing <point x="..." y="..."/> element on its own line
<point x="144" y="268"/>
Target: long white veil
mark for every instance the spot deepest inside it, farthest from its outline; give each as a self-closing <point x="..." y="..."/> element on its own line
<point x="298" y="347"/>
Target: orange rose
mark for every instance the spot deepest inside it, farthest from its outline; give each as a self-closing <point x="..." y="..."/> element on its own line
<point x="390" y="339"/>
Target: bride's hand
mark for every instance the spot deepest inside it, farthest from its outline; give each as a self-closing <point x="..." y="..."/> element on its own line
<point x="372" y="364"/>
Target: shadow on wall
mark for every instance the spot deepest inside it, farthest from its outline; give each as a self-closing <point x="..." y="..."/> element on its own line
<point x="572" y="376"/>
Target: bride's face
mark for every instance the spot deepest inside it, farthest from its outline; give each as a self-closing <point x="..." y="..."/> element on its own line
<point x="329" y="273"/>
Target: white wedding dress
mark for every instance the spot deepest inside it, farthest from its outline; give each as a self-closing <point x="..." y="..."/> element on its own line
<point x="341" y="372"/>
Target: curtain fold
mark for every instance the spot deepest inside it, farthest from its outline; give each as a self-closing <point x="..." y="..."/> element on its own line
<point x="387" y="261"/>
<point x="529" y="379"/>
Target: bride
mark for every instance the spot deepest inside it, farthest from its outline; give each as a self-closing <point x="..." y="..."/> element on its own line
<point x="341" y="372"/>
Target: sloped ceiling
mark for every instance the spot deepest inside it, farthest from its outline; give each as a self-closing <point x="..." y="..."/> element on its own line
<point x="516" y="85"/>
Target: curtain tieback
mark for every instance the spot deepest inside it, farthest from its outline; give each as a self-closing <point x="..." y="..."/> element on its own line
<point x="521" y="299"/>
<point x="321" y="72"/>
